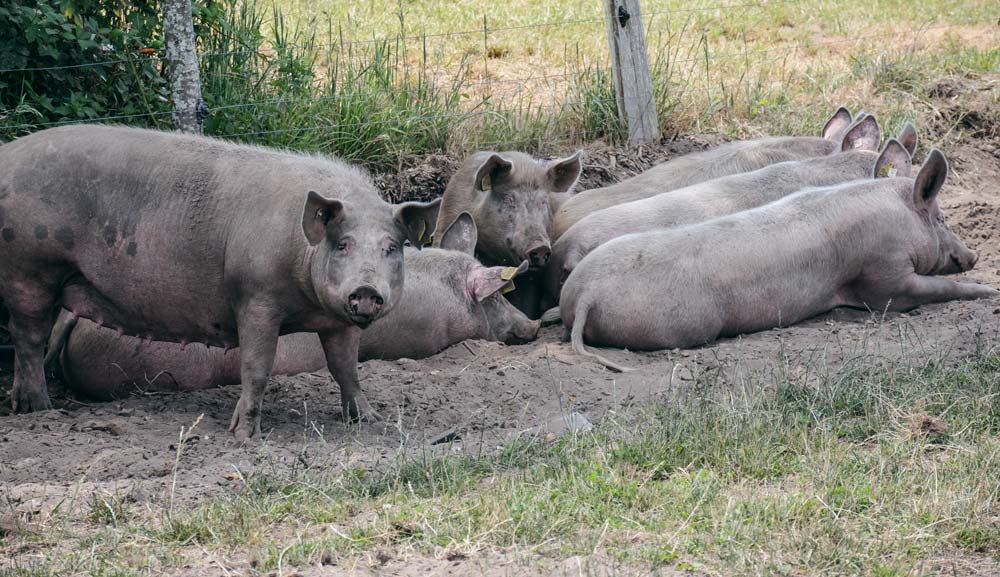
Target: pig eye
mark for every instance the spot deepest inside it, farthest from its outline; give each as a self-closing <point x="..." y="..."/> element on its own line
<point x="342" y="246"/>
<point x="390" y="249"/>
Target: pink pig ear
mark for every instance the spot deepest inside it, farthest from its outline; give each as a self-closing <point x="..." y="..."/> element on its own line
<point x="486" y="281"/>
<point x="894" y="161"/>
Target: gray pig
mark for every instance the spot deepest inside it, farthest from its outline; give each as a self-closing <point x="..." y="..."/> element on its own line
<point x="512" y="198"/>
<point x="729" y="158"/>
<point x="870" y="244"/>
<point x="725" y="195"/>
<point x="189" y="239"/>
<point x="449" y="298"/>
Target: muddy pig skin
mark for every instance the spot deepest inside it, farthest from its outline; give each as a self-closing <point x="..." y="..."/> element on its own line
<point x="189" y="239"/>
<point x="872" y="244"/>
<point x="722" y="196"/>
<point x="512" y="198"/>
<point x="449" y="298"/>
<point x="729" y="158"/>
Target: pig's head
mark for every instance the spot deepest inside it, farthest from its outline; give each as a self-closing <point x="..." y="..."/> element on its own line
<point x="356" y="253"/>
<point x="516" y="205"/>
<point x="482" y="287"/>
<point x="942" y="252"/>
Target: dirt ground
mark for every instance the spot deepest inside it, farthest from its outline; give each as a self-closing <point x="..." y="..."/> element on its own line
<point x="478" y="393"/>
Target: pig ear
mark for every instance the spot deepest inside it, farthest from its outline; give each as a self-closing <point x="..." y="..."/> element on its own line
<point x="908" y="138"/>
<point x="930" y="179"/>
<point x="493" y="170"/>
<point x="562" y="174"/>
<point x="418" y="220"/>
<point x="318" y="213"/>
<point x="461" y="235"/>
<point x="894" y="161"/>
<point x="486" y="281"/>
<point x="837" y="124"/>
<point x="864" y="135"/>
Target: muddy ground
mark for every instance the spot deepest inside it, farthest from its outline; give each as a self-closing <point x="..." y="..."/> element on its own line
<point x="479" y="393"/>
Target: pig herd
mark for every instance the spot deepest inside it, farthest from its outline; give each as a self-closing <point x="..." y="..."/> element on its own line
<point x="131" y="257"/>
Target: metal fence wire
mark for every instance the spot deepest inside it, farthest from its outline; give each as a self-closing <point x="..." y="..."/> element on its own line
<point x="442" y="94"/>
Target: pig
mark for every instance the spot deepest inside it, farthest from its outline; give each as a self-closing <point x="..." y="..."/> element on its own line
<point x="725" y="195"/>
<point x="197" y="241"/>
<point x="729" y="158"/>
<point x="449" y="298"/>
<point x="512" y="198"/>
<point x="872" y="244"/>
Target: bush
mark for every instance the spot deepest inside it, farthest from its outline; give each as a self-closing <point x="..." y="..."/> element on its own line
<point x="84" y="59"/>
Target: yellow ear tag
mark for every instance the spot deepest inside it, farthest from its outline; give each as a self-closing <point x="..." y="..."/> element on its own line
<point x="508" y="273"/>
<point x="509" y="287"/>
<point x="486" y="184"/>
<point x="887" y="171"/>
<point x="423" y="237"/>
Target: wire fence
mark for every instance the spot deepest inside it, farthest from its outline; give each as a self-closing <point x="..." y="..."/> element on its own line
<point x="704" y="61"/>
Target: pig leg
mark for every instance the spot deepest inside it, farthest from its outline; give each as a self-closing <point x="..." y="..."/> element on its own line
<point x="30" y="323"/>
<point x="258" y="335"/>
<point x="341" y="350"/>
<point x="919" y="290"/>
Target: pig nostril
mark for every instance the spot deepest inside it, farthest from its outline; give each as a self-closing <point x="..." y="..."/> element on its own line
<point x="379" y="301"/>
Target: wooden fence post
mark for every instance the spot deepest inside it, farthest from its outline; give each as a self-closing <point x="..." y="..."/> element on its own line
<point x="182" y="58"/>
<point x="630" y="70"/>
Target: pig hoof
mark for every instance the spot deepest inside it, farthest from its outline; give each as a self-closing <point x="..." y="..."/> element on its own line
<point x="29" y="401"/>
<point x="361" y="412"/>
<point x="244" y="424"/>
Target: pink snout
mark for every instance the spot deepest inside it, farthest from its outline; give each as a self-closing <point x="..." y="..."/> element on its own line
<point x="539" y="254"/>
<point x="365" y="303"/>
<point x="523" y="333"/>
<point x="965" y="262"/>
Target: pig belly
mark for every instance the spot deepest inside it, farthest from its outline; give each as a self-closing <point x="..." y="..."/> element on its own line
<point x="194" y="317"/>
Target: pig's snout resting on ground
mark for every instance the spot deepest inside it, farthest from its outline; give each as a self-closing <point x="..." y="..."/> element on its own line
<point x="188" y="239"/>
<point x="726" y="195"/>
<point x="868" y="244"/>
<point x="449" y="298"/>
<point x="729" y="158"/>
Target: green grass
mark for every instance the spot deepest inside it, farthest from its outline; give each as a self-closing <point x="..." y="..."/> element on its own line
<point x="871" y="471"/>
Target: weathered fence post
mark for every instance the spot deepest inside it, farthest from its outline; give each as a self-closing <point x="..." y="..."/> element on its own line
<point x="630" y="69"/>
<point x="182" y="58"/>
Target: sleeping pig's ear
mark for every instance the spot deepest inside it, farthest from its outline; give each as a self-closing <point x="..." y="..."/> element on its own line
<point x="418" y="219"/>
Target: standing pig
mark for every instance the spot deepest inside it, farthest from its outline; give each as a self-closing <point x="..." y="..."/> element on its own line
<point x="189" y="239"/>
<point x="723" y="196"/>
<point x="512" y="198"/>
<point x="866" y="244"/>
<point x="449" y="298"/>
<point x="729" y="158"/>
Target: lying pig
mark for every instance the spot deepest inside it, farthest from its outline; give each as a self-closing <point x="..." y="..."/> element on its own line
<point x="449" y="298"/>
<point x="187" y="239"/>
<point x="872" y="244"/>
<point x="729" y="158"/>
<point x="512" y="198"/>
<point x="725" y="195"/>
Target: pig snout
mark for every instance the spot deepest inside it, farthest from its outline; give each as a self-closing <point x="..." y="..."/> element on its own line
<point x="965" y="262"/>
<point x="957" y="261"/>
<point x="523" y="333"/>
<point x="539" y="254"/>
<point x="365" y="303"/>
